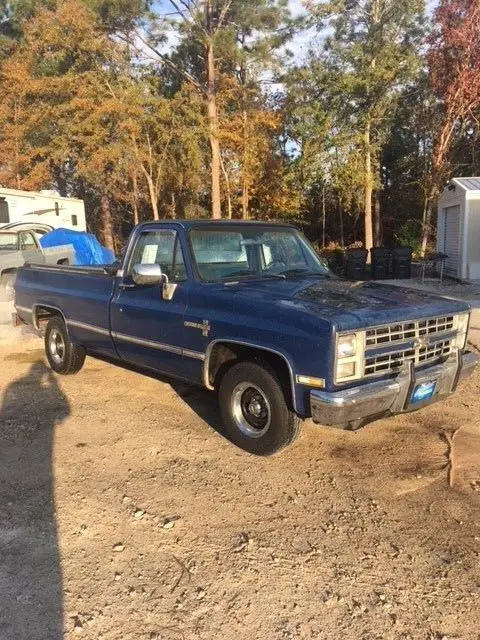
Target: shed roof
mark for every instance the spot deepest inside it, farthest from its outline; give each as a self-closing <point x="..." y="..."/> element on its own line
<point x="469" y="184"/>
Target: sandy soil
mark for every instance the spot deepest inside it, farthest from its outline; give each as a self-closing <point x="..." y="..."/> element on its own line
<point x="126" y="515"/>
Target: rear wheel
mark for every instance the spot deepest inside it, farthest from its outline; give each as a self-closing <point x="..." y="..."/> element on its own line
<point x="63" y="355"/>
<point x="255" y="413"/>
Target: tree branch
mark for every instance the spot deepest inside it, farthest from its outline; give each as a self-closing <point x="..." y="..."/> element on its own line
<point x="171" y="65"/>
<point x="188" y="7"/>
<point x="177" y="8"/>
<point x="223" y="14"/>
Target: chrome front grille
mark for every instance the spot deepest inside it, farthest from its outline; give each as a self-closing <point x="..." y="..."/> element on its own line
<point x="391" y="362"/>
<point x="407" y="331"/>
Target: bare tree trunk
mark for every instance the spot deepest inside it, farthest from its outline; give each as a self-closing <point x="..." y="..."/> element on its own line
<point x="245" y="181"/>
<point x="173" y="206"/>
<point x="375" y="16"/>
<point x="426" y="222"/>
<point x="106" y="227"/>
<point x="135" y="198"/>
<point x="377" y="229"/>
<point x="323" y="216"/>
<point x="18" y="179"/>
<point x="153" y="194"/>
<point x="368" y="185"/>
<point x="340" y="215"/>
<point x="227" y="188"/>
<point x="245" y="174"/>
<point x="212" y="113"/>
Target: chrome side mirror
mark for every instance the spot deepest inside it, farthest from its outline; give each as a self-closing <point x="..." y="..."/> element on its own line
<point x="145" y="274"/>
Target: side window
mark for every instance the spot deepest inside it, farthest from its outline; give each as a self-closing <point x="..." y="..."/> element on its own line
<point x="163" y="248"/>
<point x="27" y="241"/>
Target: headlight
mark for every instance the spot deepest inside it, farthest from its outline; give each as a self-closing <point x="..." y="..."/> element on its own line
<point x="350" y="356"/>
<point x="462" y="329"/>
<point x="347" y="346"/>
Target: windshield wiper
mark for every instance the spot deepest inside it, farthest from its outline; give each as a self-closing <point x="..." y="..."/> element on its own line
<point x="252" y="272"/>
<point x="304" y="272"/>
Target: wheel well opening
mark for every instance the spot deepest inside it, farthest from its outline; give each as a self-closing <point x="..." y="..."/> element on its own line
<point x="8" y="271"/>
<point x="42" y="315"/>
<point x="224" y="355"/>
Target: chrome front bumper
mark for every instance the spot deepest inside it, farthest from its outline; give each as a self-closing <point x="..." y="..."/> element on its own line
<point x="384" y="397"/>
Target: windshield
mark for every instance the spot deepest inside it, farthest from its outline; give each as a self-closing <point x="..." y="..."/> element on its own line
<point x="8" y="242"/>
<point x="252" y="252"/>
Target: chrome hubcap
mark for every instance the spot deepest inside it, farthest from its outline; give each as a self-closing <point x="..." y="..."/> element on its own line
<point x="251" y="410"/>
<point x="56" y="345"/>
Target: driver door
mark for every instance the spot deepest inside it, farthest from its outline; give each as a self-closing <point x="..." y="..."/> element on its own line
<point x="146" y="328"/>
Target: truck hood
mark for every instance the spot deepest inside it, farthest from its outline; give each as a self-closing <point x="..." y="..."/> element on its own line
<point x="349" y="305"/>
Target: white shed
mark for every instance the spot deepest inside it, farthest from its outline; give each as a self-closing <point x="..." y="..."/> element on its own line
<point x="458" y="228"/>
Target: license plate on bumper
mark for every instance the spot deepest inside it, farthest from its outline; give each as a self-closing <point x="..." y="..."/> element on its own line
<point x="424" y="391"/>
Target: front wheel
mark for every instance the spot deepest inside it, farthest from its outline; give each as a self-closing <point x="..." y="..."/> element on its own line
<point x="254" y="410"/>
<point x="63" y="355"/>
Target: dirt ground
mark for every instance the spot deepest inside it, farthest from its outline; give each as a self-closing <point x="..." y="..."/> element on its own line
<point x="126" y="515"/>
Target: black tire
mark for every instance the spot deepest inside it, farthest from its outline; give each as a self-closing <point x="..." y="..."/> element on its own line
<point x="63" y="356"/>
<point x="254" y="410"/>
<point x="8" y="285"/>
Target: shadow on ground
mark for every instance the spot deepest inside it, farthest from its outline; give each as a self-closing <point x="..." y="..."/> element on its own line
<point x="31" y="606"/>
<point x="202" y="402"/>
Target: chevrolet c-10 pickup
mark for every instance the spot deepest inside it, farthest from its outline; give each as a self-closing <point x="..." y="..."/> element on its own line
<point x="249" y="310"/>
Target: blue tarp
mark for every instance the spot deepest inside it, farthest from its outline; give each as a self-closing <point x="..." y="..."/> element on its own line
<point x="87" y="248"/>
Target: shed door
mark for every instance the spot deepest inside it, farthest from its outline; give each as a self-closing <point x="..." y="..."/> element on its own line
<point x="451" y="236"/>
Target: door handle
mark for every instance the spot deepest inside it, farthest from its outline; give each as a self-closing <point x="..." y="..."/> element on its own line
<point x="126" y="286"/>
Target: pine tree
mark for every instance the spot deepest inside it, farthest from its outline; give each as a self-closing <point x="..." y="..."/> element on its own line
<point x="372" y="51"/>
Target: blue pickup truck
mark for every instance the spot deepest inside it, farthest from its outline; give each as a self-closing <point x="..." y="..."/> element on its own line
<point x="249" y="310"/>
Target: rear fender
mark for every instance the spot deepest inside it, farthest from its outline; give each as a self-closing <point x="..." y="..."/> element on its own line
<point x="51" y="311"/>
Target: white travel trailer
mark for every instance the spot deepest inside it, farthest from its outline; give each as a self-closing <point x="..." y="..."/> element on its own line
<point x="45" y="207"/>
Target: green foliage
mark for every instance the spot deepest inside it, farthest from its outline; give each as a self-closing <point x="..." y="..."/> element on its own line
<point x="410" y="235"/>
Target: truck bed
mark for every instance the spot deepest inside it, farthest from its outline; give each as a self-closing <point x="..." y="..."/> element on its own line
<point x="80" y="292"/>
<point x="69" y="268"/>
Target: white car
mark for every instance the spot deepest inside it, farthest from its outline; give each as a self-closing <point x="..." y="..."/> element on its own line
<point x="19" y="244"/>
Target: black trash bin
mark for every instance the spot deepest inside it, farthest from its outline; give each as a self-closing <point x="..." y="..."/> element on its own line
<point x="380" y="262"/>
<point x="402" y="263"/>
<point x="356" y="261"/>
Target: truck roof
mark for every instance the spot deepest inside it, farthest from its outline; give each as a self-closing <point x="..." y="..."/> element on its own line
<point x="186" y="224"/>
